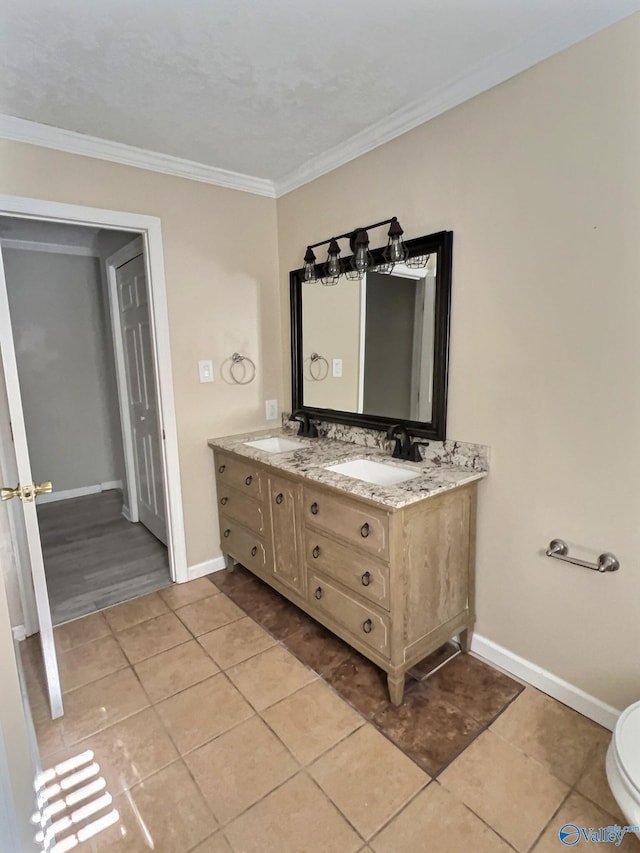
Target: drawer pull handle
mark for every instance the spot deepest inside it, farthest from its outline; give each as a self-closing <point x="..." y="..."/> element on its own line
<point x="319" y="593"/>
<point x="224" y="501"/>
<point x="367" y="626"/>
<point x="222" y="469"/>
<point x="366" y="579"/>
<point x="249" y="480"/>
<point x="314" y="508"/>
<point x="316" y="552"/>
<point x="279" y="498"/>
<point x="365" y="530"/>
<point x="227" y="533"/>
<point x="254" y="550"/>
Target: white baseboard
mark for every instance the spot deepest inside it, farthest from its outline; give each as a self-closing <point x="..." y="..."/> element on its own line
<point x="201" y="569"/>
<point x="67" y="494"/>
<point x="19" y="633"/>
<point x="546" y="681"/>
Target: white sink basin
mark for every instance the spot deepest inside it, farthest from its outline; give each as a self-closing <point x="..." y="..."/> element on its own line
<point x="276" y="444"/>
<point x="377" y="473"/>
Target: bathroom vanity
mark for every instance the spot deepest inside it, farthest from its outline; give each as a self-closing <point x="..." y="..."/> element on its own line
<point x="387" y="566"/>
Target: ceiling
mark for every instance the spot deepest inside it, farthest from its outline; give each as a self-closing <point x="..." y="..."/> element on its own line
<point x="281" y="91"/>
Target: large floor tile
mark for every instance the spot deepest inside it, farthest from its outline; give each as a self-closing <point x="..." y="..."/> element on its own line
<point x="317" y="647"/>
<point x="427" y="728"/>
<point x="582" y="814"/>
<point x="152" y="637"/>
<point x="556" y="736"/>
<point x="216" y="844"/>
<point x="240" y="767"/>
<point x="102" y="703"/>
<point x="131" y="750"/>
<point x="270" y="676"/>
<point x="513" y="793"/>
<point x="227" y="580"/>
<point x="181" y="594"/>
<point x="479" y="690"/>
<point x="202" y="712"/>
<point x="593" y="783"/>
<point x="361" y="683"/>
<point x="295" y="818"/>
<point x="368" y="778"/>
<point x="269" y="609"/>
<point x="124" y="616"/>
<point x="172" y="671"/>
<point x="235" y="642"/>
<point x="80" y="631"/>
<point x="209" y="613"/>
<point x="449" y="826"/>
<point x="90" y="662"/>
<point x="312" y="720"/>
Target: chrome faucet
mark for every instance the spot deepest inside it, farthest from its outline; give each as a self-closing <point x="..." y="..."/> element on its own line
<point x="404" y="448"/>
<point x="308" y="427"/>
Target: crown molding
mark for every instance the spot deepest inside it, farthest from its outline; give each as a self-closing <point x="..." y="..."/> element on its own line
<point x="22" y="130"/>
<point x="497" y="69"/>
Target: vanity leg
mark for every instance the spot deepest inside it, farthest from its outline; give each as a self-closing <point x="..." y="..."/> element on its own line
<point x="465" y="639"/>
<point x="396" y="688"/>
<point x="229" y="562"/>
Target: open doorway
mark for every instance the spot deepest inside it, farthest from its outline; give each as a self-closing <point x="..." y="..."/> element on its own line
<point x="82" y="330"/>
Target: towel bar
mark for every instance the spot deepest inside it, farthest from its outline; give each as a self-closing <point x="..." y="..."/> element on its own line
<point x="559" y="550"/>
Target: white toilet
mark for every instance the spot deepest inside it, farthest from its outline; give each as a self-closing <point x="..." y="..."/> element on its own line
<point x="623" y="764"/>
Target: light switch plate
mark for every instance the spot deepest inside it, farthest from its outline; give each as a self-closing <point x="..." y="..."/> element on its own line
<point x="337" y="367"/>
<point x="205" y="370"/>
<point x="271" y="408"/>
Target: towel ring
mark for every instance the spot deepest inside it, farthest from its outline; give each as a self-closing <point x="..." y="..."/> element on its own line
<point x="315" y="358"/>
<point x="237" y="359"/>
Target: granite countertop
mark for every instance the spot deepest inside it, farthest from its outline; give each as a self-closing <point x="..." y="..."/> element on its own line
<point x="311" y="462"/>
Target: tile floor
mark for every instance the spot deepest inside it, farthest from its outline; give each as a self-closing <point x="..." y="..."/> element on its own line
<point x="225" y="721"/>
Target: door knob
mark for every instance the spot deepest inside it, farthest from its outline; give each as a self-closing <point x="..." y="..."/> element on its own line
<point x="26" y="493"/>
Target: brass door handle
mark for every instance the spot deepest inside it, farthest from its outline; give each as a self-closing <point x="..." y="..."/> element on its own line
<point x="26" y="493"/>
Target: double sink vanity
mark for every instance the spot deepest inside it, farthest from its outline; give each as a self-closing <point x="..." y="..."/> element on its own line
<point x="379" y="550"/>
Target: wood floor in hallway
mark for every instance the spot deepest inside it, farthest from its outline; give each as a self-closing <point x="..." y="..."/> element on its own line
<point x="95" y="558"/>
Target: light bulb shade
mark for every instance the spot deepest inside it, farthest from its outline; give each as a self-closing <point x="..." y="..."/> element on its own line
<point x="309" y="265"/>
<point x="418" y="261"/>
<point x="333" y="269"/>
<point x="361" y="259"/>
<point x="396" y="251"/>
<point x="329" y="280"/>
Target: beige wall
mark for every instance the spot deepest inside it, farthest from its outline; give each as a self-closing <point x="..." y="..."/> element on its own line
<point x="331" y="327"/>
<point x="539" y="179"/>
<point x="221" y="269"/>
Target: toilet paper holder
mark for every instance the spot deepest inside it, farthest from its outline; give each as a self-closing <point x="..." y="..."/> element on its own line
<point x="559" y="550"/>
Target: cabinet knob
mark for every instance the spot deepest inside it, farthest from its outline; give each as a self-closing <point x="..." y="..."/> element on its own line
<point x="365" y="530"/>
<point x="366" y="579"/>
<point x="319" y="593"/>
<point x="314" y="508"/>
<point x="224" y="501"/>
<point x="316" y="552"/>
<point x="367" y="626"/>
<point x="222" y="469"/>
<point x="254" y="550"/>
<point x="227" y="533"/>
<point x="249" y="480"/>
<point x="279" y="498"/>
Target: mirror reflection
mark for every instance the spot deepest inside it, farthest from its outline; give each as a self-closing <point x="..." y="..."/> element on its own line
<point x="368" y="346"/>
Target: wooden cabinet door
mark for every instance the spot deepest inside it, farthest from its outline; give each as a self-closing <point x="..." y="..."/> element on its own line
<point x="284" y="497"/>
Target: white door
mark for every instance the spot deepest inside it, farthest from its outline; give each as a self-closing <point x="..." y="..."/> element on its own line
<point x="25" y="495"/>
<point x="135" y="332"/>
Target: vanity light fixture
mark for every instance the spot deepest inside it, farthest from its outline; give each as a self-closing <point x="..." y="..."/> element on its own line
<point x="362" y="259"/>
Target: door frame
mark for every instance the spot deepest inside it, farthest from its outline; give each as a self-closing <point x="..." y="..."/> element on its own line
<point x="150" y="231"/>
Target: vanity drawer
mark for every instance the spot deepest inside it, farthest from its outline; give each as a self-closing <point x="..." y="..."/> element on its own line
<point x="244" y="546"/>
<point x="359" y="620"/>
<point x="364" y="526"/>
<point x="242" y="508"/>
<point x="241" y="475"/>
<point x="357" y="571"/>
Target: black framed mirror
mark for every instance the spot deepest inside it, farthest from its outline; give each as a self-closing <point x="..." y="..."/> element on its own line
<point x="375" y="351"/>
